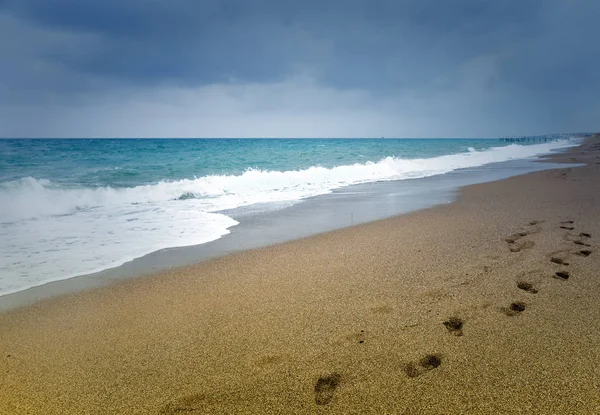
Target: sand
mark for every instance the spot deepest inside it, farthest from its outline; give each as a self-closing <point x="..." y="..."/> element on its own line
<point x="418" y="314"/>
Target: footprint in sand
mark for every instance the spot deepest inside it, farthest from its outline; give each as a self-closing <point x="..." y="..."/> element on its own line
<point x="521" y="246"/>
<point x="514" y="309"/>
<point x="585" y="235"/>
<point x="326" y="387"/>
<point x="566" y="224"/>
<point x="426" y="363"/>
<point x="514" y="240"/>
<point x="516" y="236"/>
<point x="558" y="260"/>
<point x="562" y="275"/>
<point x="581" y="243"/>
<point x="584" y="252"/>
<point x="430" y="362"/>
<point x="526" y="286"/>
<point x="411" y="370"/>
<point x="454" y="326"/>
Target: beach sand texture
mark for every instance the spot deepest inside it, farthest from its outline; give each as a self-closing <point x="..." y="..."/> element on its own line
<point x="487" y="305"/>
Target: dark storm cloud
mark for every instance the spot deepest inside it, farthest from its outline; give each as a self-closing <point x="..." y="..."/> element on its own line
<point x="432" y="61"/>
<point x="348" y="42"/>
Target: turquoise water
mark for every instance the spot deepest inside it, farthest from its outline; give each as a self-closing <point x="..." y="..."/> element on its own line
<point x="123" y="163"/>
<point x="72" y="207"/>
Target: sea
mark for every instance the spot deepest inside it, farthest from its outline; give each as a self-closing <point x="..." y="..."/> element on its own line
<point x="80" y="206"/>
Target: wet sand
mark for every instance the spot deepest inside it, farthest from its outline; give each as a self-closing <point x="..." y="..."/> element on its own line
<point x="486" y="305"/>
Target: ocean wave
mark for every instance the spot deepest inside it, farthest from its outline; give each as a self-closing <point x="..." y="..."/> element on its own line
<point x="31" y="198"/>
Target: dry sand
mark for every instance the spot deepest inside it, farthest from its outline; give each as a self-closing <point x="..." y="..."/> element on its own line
<point x="341" y="322"/>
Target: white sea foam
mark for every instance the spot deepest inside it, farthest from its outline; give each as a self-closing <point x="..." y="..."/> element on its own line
<point x="49" y="232"/>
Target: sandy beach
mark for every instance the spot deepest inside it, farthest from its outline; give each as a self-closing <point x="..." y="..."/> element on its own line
<point x="486" y="305"/>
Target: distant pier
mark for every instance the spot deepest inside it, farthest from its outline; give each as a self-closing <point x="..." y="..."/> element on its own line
<point x="527" y="139"/>
<point x="535" y="138"/>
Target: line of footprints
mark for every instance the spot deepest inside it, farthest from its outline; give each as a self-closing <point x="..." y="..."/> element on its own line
<point x="326" y="386"/>
<point x="516" y="245"/>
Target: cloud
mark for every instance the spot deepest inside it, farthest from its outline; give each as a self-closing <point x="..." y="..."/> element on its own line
<point x="282" y="68"/>
<point x="296" y="107"/>
<point x="223" y="110"/>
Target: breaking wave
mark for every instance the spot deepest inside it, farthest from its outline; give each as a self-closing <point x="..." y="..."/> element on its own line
<point x="31" y="198"/>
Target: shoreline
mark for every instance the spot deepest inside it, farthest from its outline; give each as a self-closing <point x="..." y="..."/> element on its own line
<point x="336" y="206"/>
<point x="340" y="322"/>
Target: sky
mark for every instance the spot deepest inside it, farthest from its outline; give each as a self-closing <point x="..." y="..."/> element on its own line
<point x="289" y="68"/>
